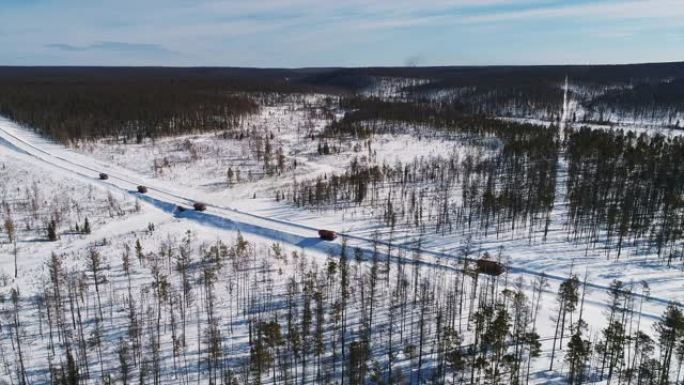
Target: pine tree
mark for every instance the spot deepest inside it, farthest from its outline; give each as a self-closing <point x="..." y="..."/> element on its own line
<point x="670" y="328"/>
<point x="124" y="365"/>
<point x="73" y="376"/>
<point x="86" y="226"/>
<point x="52" y="230"/>
<point x="12" y="234"/>
<point x="579" y="351"/>
<point x="139" y="251"/>
<point x="229" y="176"/>
<point x="18" y="341"/>
<point x="567" y="302"/>
<point x="453" y="354"/>
<point x="357" y="364"/>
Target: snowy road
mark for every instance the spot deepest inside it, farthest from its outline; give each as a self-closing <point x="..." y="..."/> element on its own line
<point x="29" y="146"/>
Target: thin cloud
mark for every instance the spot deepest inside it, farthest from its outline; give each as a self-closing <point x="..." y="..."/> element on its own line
<point x="112" y="46"/>
<point x="635" y="9"/>
<point x="66" y="47"/>
<point x="326" y="32"/>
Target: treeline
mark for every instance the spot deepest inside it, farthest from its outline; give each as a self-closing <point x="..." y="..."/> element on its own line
<point x="367" y="116"/>
<point x="70" y="103"/>
<point x="242" y="313"/>
<point x="627" y="189"/>
<point x="488" y="77"/>
<point x="642" y="92"/>
<point x="68" y="107"/>
<point x="489" y="189"/>
<point x="661" y="101"/>
<point x="451" y="194"/>
<point x="621" y="189"/>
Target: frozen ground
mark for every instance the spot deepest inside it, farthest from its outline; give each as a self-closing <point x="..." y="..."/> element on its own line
<point x="194" y="169"/>
<point x="187" y="180"/>
<point x="111" y="235"/>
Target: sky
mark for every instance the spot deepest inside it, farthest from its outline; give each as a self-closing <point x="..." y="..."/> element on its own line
<point x="351" y="33"/>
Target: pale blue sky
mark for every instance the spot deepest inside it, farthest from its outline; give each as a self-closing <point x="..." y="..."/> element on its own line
<point x="300" y="33"/>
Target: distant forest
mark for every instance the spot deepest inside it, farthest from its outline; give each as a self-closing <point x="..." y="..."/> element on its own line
<point x="68" y="103"/>
<point x="637" y="91"/>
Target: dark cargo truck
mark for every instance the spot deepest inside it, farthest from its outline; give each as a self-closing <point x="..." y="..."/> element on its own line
<point x="488" y="267"/>
<point x="327" y="235"/>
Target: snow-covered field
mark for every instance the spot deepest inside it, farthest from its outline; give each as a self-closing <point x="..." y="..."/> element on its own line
<point x="41" y="181"/>
<point x="204" y="178"/>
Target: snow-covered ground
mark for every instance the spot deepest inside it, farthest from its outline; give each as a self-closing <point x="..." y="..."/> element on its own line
<point x="181" y="170"/>
<point x="200" y="180"/>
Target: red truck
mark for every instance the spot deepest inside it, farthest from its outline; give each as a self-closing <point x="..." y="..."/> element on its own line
<point x="327" y="235"/>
